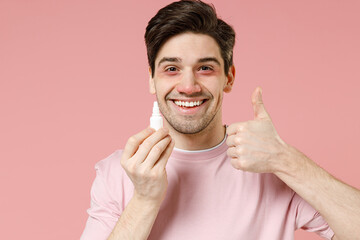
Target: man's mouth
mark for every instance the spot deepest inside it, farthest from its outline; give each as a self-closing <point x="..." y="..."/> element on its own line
<point x="188" y="104"/>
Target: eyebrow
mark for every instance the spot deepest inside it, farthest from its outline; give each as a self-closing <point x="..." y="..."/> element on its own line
<point x="201" y="60"/>
<point x="169" y="59"/>
<point x="209" y="59"/>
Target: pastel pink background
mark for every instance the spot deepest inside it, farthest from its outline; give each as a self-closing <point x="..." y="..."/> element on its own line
<point x="74" y="87"/>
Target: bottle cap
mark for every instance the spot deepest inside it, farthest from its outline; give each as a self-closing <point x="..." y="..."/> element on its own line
<point x="156" y="108"/>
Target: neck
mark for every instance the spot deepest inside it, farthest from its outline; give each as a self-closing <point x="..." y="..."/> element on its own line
<point x="211" y="136"/>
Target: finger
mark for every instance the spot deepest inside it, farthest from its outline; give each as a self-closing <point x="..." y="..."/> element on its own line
<point x="242" y="138"/>
<point x="240" y="151"/>
<point x="231" y="152"/>
<point x="258" y="105"/>
<point x="238" y="139"/>
<point x="149" y="143"/>
<point x="230" y="140"/>
<point x="134" y="142"/>
<point x="161" y="163"/>
<point x="235" y="128"/>
<point x="156" y="152"/>
<point x="239" y="164"/>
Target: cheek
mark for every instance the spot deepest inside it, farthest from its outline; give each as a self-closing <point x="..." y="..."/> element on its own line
<point x="217" y="91"/>
<point x="215" y="85"/>
<point x="163" y="87"/>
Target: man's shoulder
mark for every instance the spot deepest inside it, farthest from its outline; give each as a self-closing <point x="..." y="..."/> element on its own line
<point x="110" y="164"/>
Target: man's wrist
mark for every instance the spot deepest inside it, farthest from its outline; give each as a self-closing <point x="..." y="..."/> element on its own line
<point x="146" y="202"/>
<point x="290" y="161"/>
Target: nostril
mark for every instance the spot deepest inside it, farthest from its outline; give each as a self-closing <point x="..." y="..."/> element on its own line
<point x="188" y="88"/>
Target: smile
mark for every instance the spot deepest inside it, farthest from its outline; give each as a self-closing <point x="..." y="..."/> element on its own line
<point x="188" y="104"/>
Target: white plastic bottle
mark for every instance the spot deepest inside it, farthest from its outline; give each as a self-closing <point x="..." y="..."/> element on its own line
<point x="156" y="121"/>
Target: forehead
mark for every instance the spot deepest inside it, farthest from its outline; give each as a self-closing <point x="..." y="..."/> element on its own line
<point x="190" y="47"/>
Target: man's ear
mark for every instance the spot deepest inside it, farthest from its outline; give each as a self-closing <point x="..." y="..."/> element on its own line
<point x="230" y="79"/>
<point x="152" y="89"/>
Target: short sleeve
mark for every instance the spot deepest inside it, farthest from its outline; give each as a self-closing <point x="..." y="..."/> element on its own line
<point x="104" y="209"/>
<point x="308" y="219"/>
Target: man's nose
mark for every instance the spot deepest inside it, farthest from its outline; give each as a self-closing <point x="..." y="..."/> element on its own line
<point x="188" y="84"/>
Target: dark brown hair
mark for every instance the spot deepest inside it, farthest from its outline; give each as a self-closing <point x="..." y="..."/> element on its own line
<point x="188" y="16"/>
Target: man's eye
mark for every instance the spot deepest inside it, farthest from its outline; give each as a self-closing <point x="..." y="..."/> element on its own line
<point x="171" y="69"/>
<point x="205" y="68"/>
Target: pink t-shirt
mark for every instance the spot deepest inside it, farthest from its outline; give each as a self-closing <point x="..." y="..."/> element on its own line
<point x="206" y="199"/>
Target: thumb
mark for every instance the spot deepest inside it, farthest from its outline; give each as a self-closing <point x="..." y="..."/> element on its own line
<point x="258" y="105"/>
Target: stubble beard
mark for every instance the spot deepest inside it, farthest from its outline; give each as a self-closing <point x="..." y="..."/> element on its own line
<point x="187" y="124"/>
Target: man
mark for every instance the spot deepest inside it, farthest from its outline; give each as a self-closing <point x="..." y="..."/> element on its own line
<point x="237" y="182"/>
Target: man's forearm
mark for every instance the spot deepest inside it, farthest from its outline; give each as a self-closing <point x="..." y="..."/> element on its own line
<point x="136" y="221"/>
<point x="336" y="201"/>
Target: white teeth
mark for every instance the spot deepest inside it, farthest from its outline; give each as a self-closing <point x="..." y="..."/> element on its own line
<point x="188" y="104"/>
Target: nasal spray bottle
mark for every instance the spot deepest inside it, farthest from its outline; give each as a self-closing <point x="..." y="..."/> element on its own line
<point x="156" y="121"/>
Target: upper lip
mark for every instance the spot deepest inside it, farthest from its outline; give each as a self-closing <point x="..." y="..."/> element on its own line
<point x="188" y="100"/>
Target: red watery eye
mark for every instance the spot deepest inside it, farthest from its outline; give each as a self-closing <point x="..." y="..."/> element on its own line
<point x="171" y="69"/>
<point x="205" y="68"/>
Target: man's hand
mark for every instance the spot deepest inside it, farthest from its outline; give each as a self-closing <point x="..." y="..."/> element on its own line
<point x="255" y="145"/>
<point x="144" y="160"/>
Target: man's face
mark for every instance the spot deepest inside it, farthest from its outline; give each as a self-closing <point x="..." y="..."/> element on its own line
<point x="189" y="82"/>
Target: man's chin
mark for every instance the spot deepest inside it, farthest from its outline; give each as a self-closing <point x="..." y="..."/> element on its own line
<point x="188" y="127"/>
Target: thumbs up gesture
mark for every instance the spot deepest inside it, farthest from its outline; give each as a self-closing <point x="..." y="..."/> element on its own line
<point x="255" y="145"/>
